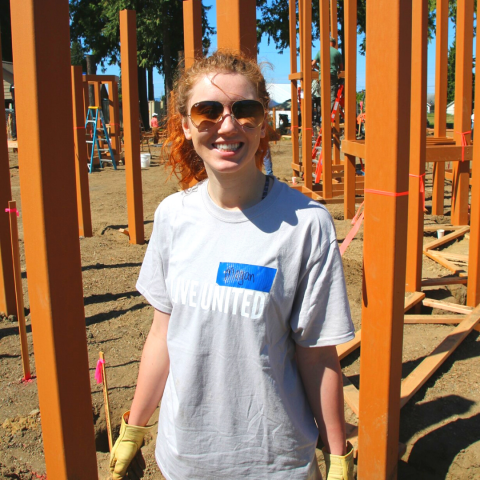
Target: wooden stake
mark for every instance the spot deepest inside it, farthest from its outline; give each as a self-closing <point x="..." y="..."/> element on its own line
<point x="17" y="275"/>
<point x="106" y="402"/>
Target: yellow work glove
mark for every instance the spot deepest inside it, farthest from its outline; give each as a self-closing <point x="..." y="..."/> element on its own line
<point x="126" y="447"/>
<point x="339" y="467"/>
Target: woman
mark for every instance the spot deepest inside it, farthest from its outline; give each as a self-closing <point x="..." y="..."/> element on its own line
<point x="246" y="280"/>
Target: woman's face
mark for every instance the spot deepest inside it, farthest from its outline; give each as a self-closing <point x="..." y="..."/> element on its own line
<point x="226" y="146"/>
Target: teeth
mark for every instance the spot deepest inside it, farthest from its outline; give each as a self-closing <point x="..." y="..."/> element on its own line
<point x="227" y="146"/>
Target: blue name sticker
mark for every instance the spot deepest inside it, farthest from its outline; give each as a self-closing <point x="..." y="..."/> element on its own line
<point x="241" y="275"/>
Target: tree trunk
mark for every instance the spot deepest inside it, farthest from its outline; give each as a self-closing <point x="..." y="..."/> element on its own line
<point x="142" y="95"/>
<point x="151" y="92"/>
<point x="167" y="64"/>
<point x="91" y="70"/>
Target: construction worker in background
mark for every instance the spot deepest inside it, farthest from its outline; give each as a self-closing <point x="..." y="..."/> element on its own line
<point x="155" y="128"/>
<point x="336" y="65"/>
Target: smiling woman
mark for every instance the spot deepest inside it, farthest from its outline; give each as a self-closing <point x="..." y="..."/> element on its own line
<point x="247" y="284"/>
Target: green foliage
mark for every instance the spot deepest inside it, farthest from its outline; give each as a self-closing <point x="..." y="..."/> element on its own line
<point x="6" y="31"/>
<point x="77" y="56"/>
<point x="451" y="72"/>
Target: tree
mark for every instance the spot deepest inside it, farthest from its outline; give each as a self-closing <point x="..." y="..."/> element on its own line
<point x="96" y="25"/>
<point x="6" y="30"/>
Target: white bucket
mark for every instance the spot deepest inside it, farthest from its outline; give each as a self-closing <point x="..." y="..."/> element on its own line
<point x="145" y="160"/>
<point x="440" y="233"/>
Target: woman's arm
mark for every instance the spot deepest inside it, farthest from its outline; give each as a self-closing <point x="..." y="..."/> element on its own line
<point x="153" y="373"/>
<point x="322" y="378"/>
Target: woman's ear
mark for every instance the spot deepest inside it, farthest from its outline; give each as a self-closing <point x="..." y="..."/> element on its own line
<point x="186" y="128"/>
<point x="263" y="130"/>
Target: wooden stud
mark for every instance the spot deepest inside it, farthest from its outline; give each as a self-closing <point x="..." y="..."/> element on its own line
<point x="440" y="128"/>
<point x="7" y="282"/>
<point x="347" y="348"/>
<point x="443" y="262"/>
<point x="237" y="26"/>
<point x="433" y="282"/>
<point x="350" y="52"/>
<point x="106" y="401"/>
<point x="41" y="49"/>
<point x="463" y="110"/>
<point x="17" y="273"/>
<point x="418" y="119"/>
<point x="388" y="23"/>
<point x="81" y="171"/>
<point x="430" y="365"/>
<point x="446" y="239"/>
<point x="473" y="287"/>
<point x="450" y="307"/>
<point x="128" y="51"/>
<point x="325" y="95"/>
<point x="192" y="31"/>
<point x="293" y="85"/>
<point x="306" y="55"/>
<point x="114" y="111"/>
<point x="440" y="319"/>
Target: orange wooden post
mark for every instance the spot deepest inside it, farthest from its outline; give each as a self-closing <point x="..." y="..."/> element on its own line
<point x="293" y="83"/>
<point x="350" y="49"/>
<point x="17" y="273"/>
<point x="334" y="34"/>
<point x="192" y="31"/>
<point x="7" y="284"/>
<point x="463" y="108"/>
<point x="473" y="285"/>
<point x="418" y="146"/>
<point x="306" y="55"/>
<point x="81" y="165"/>
<point x="441" y="81"/>
<point x="387" y="151"/>
<point x="325" y="94"/>
<point x="237" y="26"/>
<point x="128" y="50"/>
<point x="114" y="111"/>
<point x="41" y="48"/>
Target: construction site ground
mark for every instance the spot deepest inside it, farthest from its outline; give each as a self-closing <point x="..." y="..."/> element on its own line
<point x="440" y="425"/>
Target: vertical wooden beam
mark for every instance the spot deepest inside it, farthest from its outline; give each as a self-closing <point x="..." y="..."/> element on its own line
<point x="441" y="81"/>
<point x="334" y="20"/>
<point x="388" y="83"/>
<point x="325" y="95"/>
<point x="293" y="83"/>
<point x="81" y="169"/>
<point x="300" y="29"/>
<point x="237" y="26"/>
<point x="41" y="51"/>
<point x="114" y="111"/>
<point x="131" y="115"/>
<point x="350" y="47"/>
<point x="7" y="283"/>
<point x="473" y="285"/>
<point x="418" y="150"/>
<point x="336" y="130"/>
<point x="192" y="31"/>
<point x="463" y="108"/>
<point x="306" y="55"/>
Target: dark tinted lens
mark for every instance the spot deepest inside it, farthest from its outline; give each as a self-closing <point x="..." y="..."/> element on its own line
<point x="248" y="113"/>
<point x="206" y="112"/>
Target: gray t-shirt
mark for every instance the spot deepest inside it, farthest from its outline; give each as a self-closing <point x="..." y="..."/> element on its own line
<point x="242" y="288"/>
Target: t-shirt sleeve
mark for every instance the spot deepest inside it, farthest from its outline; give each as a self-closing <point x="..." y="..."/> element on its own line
<point x="152" y="282"/>
<point x="321" y="313"/>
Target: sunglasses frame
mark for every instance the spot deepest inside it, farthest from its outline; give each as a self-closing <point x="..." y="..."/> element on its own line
<point x="222" y="116"/>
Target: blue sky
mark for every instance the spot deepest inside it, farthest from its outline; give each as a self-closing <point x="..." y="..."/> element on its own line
<point x="281" y="62"/>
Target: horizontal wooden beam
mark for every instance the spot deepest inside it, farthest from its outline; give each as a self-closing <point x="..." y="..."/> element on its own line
<point x="351" y="395"/>
<point x="355" y="148"/>
<point x="433" y="282"/>
<point x="447" y="238"/>
<point x="101" y="78"/>
<point x="412" y="300"/>
<point x="443" y="262"/>
<point x="347" y="348"/>
<point x="448" y="153"/>
<point x="449" y="307"/>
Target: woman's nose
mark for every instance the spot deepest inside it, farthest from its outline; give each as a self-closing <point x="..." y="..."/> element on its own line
<point x="227" y="123"/>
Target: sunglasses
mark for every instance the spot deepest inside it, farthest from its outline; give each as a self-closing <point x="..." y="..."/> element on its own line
<point x="247" y="113"/>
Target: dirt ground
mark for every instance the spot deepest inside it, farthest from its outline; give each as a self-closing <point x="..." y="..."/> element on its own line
<point x="440" y="426"/>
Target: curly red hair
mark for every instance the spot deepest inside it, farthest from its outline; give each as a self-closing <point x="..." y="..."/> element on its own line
<point x="182" y="158"/>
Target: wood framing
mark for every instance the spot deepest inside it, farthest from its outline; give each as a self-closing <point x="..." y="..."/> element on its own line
<point x="192" y="31"/>
<point x="81" y="159"/>
<point x="473" y="287"/>
<point x="7" y="284"/>
<point x="237" y="26"/>
<point x="388" y="23"/>
<point x="128" y="51"/>
<point x="440" y="127"/>
<point x="418" y="118"/>
<point x="41" y="48"/>
<point x="293" y="84"/>
<point x="463" y="110"/>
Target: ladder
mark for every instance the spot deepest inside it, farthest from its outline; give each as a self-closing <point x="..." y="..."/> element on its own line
<point x="94" y="116"/>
